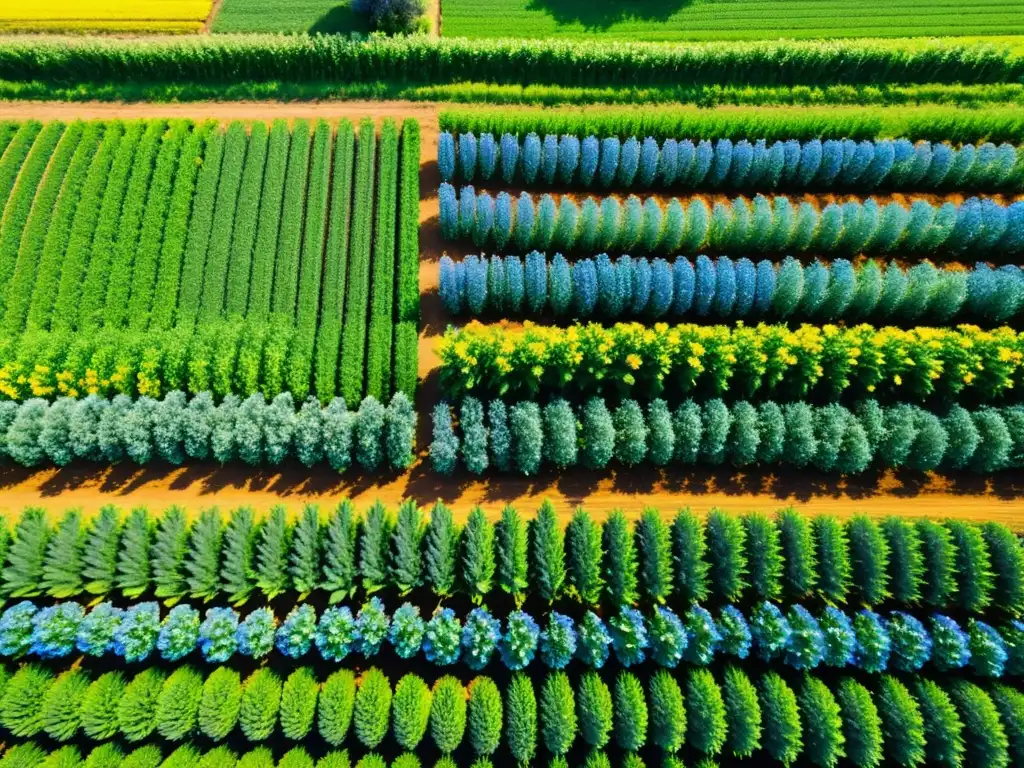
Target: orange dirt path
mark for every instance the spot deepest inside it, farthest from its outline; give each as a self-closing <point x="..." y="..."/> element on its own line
<point x="203" y="485"/>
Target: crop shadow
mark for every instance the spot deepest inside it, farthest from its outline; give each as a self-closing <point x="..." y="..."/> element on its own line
<point x="599" y="15"/>
<point x="341" y="19"/>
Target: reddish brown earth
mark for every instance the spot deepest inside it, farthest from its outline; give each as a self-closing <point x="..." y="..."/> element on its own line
<point x="203" y="485"/>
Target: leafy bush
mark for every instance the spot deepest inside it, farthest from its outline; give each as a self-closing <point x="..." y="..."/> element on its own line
<point x="629" y="637"/>
<point x="557" y="714"/>
<point x="630" y="713"/>
<point x="334" y="711"/>
<point x="521" y="719"/>
<point x="372" y="708"/>
<point x="298" y="704"/>
<point x="702" y="636"/>
<point x="667" y="712"/>
<point x="782" y="732"/>
<point x="179" y="633"/>
<point x="558" y="641"/>
<point x="480" y="637"/>
<point x="443" y="637"/>
<point x="902" y="723"/>
<point x="448" y="714"/>
<point x="823" y="724"/>
<point x="261" y="700"/>
<point x="407" y="631"/>
<point x="594" y="641"/>
<point x="519" y="642"/>
<point x="137" y="709"/>
<point x="219" y="703"/>
<point x="485" y="715"/>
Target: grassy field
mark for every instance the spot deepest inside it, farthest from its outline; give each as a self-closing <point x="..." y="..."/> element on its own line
<point x="326" y="16"/>
<point x="727" y="19"/>
<point x="105" y="16"/>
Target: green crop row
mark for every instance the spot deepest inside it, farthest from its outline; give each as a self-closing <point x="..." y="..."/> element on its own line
<point x="408" y="310"/>
<point x="339" y="59"/>
<point x="336" y="261"/>
<point x="198" y="224"/>
<point x="382" y="304"/>
<point x="764" y="716"/>
<point x="353" y="338"/>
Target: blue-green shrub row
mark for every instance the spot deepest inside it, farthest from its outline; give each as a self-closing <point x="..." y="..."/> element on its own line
<point x="795" y="637"/>
<point x="637" y="287"/>
<point x="175" y="429"/>
<point x="608" y="163"/>
<point x="525" y="436"/>
<point x="763" y="225"/>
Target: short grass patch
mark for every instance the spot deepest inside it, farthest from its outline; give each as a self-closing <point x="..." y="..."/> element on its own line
<point x="727" y="19"/>
<point x="326" y="16"/>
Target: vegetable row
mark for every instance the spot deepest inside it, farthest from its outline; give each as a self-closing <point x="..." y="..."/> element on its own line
<point x="608" y="163"/>
<point x="684" y="559"/>
<point x="653" y="289"/>
<point x="175" y="429"/>
<point x="729" y="714"/>
<point x="631" y="359"/>
<point x="933" y="122"/>
<point x="233" y="58"/>
<point x="110" y="755"/>
<point x="527" y="435"/>
<point x="764" y="225"/>
<point x="797" y="637"/>
<point x="197" y="224"/>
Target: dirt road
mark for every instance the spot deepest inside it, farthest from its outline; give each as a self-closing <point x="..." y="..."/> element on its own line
<point x="198" y="486"/>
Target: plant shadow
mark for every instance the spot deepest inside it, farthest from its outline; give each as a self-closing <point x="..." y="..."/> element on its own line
<point x="599" y="15"/>
<point x="340" y="20"/>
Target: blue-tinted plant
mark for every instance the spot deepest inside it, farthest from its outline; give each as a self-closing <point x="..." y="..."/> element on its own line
<point x="179" y="633"/>
<point x="702" y="636"/>
<point x="1013" y="638"/>
<point x="297" y="632"/>
<point x="770" y="631"/>
<point x="519" y="642"/>
<point x="337" y="633"/>
<point x="558" y="641"/>
<point x="448" y="203"/>
<point x="950" y="644"/>
<point x="594" y="641"/>
<point x="372" y="625"/>
<point x="443" y="637"/>
<point x="96" y="632"/>
<point x="590" y="151"/>
<point x="668" y="637"/>
<point x="256" y="633"/>
<point x="54" y="630"/>
<point x="136" y="636"/>
<point x="839" y="638"/>
<point x="467" y="155"/>
<point x="480" y="637"/>
<point x="16" y="628"/>
<point x="911" y="643"/>
<point x="446" y="155"/>
<point x="988" y="652"/>
<point x="509" y="157"/>
<point x="487" y="156"/>
<point x="873" y="644"/>
<point x="806" y="647"/>
<point x="218" y="634"/>
<point x="629" y="637"/>
<point x="735" y="631"/>
<point x="407" y="630"/>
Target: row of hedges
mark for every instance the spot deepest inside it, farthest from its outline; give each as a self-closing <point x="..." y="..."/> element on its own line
<point x="175" y="429"/>
<point x="729" y="713"/>
<point x="765" y="225"/>
<point x="613" y="563"/>
<point x="796" y="638"/>
<point x="111" y="755"/>
<point x="934" y="122"/>
<point x="527" y="435"/>
<point x="655" y="289"/>
<point x="338" y="59"/>
<point x="610" y="163"/>
<point x="745" y="361"/>
<point x="408" y="302"/>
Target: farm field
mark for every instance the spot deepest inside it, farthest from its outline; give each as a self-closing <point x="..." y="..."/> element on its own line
<point x="726" y="19"/>
<point x="410" y="434"/>
<point x="141" y="16"/>
<point x="313" y="16"/>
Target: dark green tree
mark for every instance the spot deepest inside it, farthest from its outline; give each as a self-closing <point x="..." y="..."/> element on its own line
<point x="940" y="556"/>
<point x="510" y="549"/>
<point x="985" y="736"/>
<point x="869" y="560"/>
<point x="202" y="561"/>
<point x="833" y="552"/>
<point x="441" y="551"/>
<point x="823" y="724"/>
<point x="99" y="554"/>
<point x="619" y="562"/>
<point x="547" y="553"/>
<point x="170" y="545"/>
<point x="1007" y="559"/>
<point x="583" y="554"/>
<point x="62" y="566"/>
<point x="23" y="570"/>
<point x="782" y="733"/>
<point x="902" y="723"/>
<point x="862" y="726"/>
<point x="798" y="553"/>
<point x="689" y="553"/>
<point x="726" y="540"/>
<point x="339" y="555"/>
<point x="304" y="552"/>
<point x="906" y="562"/>
<point x="943" y="729"/>
<point x="406" y="558"/>
<point x="654" y="543"/>
<point x="706" y="713"/>
<point x="476" y="556"/>
<point x="742" y="713"/>
<point x="272" y="554"/>
<point x="975" y="581"/>
<point x="764" y="555"/>
<point x="133" y="563"/>
<point x="667" y="712"/>
<point x="521" y="719"/>
<point x="373" y="548"/>
<point x="237" y="575"/>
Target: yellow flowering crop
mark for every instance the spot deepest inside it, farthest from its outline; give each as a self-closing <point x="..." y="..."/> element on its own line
<point x="105" y="15"/>
<point x="766" y="360"/>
